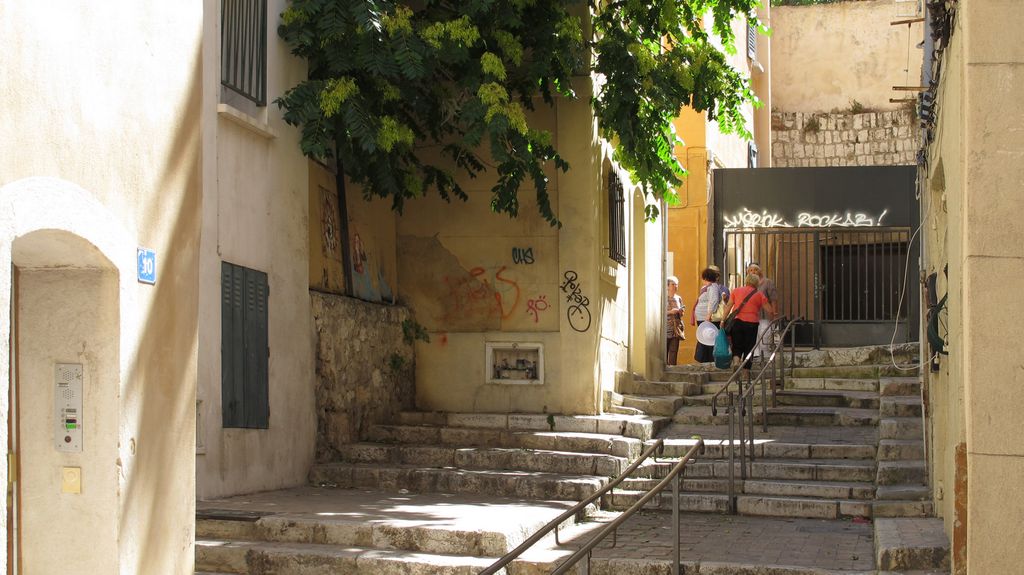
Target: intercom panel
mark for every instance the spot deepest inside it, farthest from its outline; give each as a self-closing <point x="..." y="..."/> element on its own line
<point x="68" y="407"/>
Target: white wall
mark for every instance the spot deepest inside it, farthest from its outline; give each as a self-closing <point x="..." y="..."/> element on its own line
<point x="255" y="214"/>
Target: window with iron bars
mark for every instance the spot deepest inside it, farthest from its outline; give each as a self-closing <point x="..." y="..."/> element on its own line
<point x="751" y="41"/>
<point x="616" y="219"/>
<point x="243" y="48"/>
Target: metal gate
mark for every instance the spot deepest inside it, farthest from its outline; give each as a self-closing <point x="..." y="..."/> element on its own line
<point x="846" y="284"/>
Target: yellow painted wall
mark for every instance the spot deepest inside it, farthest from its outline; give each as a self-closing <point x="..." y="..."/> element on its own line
<point x="471" y="277"/>
<point x="974" y="198"/>
<point x="326" y="267"/>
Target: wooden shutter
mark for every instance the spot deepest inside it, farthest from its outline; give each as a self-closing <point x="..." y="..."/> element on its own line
<point x="232" y="350"/>
<point x="244" y="349"/>
<point x="256" y="405"/>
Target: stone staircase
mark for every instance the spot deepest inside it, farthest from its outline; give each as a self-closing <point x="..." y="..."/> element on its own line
<point x="843" y="441"/>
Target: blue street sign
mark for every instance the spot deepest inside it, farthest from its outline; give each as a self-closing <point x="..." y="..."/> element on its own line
<point x="147" y="266"/>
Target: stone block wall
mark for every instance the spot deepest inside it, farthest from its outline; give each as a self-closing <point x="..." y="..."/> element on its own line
<point x="365" y="368"/>
<point x="801" y="139"/>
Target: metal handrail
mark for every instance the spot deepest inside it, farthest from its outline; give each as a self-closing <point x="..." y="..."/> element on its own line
<point x="744" y="359"/>
<point x="738" y="404"/>
<point x="672" y="476"/>
<point x="507" y="558"/>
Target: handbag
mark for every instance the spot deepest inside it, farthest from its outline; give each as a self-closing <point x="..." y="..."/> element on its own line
<point x="719" y="313"/>
<point x="680" y="332"/>
<point x="729" y="321"/>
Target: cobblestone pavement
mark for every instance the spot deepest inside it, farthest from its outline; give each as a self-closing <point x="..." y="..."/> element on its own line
<point x="857" y="435"/>
<point x="818" y="543"/>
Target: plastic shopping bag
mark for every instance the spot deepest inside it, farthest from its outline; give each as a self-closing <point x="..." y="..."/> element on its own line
<point x="723" y="356"/>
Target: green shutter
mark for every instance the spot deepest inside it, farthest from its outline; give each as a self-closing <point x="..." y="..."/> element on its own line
<point x="257" y="412"/>
<point x="244" y="349"/>
<point x="232" y="349"/>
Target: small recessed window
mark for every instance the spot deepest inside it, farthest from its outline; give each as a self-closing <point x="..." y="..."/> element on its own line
<point x="243" y="48"/>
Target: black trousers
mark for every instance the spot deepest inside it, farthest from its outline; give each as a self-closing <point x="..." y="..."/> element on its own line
<point x="744" y="338"/>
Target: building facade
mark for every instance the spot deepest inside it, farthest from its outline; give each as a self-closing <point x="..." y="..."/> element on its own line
<point x="970" y="187"/>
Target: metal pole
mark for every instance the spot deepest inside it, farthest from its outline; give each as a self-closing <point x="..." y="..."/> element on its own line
<point x="675" y="523"/>
<point x="732" y="456"/>
<point x="742" y="438"/>
<point x="750" y="460"/>
<point x="764" y="398"/>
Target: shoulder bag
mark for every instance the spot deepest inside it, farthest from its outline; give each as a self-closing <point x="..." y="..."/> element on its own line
<point x="729" y="321"/>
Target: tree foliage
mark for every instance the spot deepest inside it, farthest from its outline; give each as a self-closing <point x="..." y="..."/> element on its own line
<point x="399" y="91"/>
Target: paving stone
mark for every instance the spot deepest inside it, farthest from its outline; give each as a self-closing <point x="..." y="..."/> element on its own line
<point x="787" y="507"/>
<point x="900" y="449"/>
<point x="901" y="407"/>
<point x="903" y="509"/>
<point x="900" y="428"/>
<point x="904" y="544"/>
<point x="902" y="472"/>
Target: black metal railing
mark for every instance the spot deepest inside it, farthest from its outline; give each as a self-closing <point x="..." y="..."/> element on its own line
<point x="243" y="48"/>
<point x="740" y="404"/>
<point x="656" y="446"/>
<point x="673" y="477"/>
<point x="826" y="275"/>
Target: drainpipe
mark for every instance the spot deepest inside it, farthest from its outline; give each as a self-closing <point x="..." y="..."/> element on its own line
<point x="346" y="248"/>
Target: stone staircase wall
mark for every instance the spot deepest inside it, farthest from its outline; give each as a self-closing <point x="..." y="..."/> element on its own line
<point x="844" y="138"/>
<point x="365" y="368"/>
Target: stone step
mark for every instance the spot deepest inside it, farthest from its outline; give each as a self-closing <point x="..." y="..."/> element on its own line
<point x="639" y="427"/>
<point x="643" y="387"/>
<point x="903" y="508"/>
<point x="816" y="489"/>
<point x="817" y="416"/>
<point x="902" y="473"/>
<point x="525" y="485"/>
<point x="653" y="404"/>
<point x="688" y="485"/>
<point x="828" y="398"/>
<point x="301" y="558"/>
<point x="874" y="372"/>
<point x="719" y="449"/>
<point x="805" y="470"/>
<point x="705" y="399"/>
<point x="616" y="445"/>
<point x="866" y="355"/>
<point x="906" y="386"/>
<point x="903" y="492"/>
<point x="620" y="500"/>
<point x="900" y="428"/>
<point x="901" y="406"/>
<point x="802" y="507"/>
<point x="563" y="462"/>
<point x="900" y="449"/>
<point x="687" y="374"/>
<point x="909" y="544"/>
<point x="831" y="384"/>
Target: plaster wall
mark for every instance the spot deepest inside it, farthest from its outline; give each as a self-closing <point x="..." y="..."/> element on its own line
<point x="981" y="175"/>
<point x="101" y="139"/>
<point x="81" y="329"/>
<point x="471" y="277"/>
<point x="256" y="212"/>
<point x="826" y="56"/>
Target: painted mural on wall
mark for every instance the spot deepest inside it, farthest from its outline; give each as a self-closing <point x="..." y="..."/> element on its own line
<point x="463" y="284"/>
<point x="368" y="281"/>
<point x="326" y="270"/>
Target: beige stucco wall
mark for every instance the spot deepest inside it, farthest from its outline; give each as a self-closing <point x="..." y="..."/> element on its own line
<point x="255" y="214"/>
<point x="101" y="139"/>
<point x="826" y="56"/>
<point x="974" y="185"/>
<point x="461" y="271"/>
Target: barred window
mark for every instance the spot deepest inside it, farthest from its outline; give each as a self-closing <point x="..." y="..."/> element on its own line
<point x="243" y="48"/>
<point x="616" y="219"/>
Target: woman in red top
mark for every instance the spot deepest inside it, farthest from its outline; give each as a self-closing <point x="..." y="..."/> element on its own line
<point x="748" y="302"/>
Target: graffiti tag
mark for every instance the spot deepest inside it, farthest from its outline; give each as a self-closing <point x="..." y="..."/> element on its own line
<point x="765" y="219"/>
<point x="535" y="306"/>
<point x="477" y="293"/>
<point x="522" y="256"/>
<point x="578" y="313"/>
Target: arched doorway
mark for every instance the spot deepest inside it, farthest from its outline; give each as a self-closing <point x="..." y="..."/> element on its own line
<point x="64" y="406"/>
